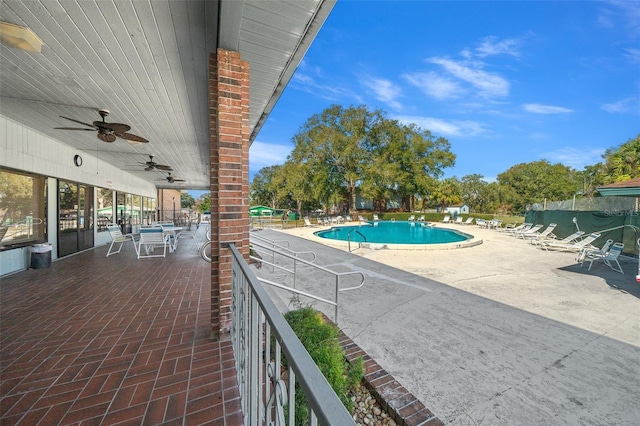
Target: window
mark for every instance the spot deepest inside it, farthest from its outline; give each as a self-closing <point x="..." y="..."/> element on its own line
<point x="22" y="209"/>
<point x="105" y="208"/>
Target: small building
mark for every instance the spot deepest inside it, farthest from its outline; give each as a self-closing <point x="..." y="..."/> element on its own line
<point x="259" y="211"/>
<point x="456" y="209"/>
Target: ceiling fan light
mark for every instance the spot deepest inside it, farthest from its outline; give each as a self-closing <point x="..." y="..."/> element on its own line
<point x="20" y="37"/>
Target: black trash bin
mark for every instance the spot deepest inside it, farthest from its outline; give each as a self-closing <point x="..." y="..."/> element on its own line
<point x="40" y="256"/>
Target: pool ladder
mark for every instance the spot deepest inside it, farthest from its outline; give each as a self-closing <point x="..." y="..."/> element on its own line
<point x="349" y="238"/>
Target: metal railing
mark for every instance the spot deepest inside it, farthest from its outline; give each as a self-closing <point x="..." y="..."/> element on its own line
<point x="261" y="338"/>
<point x="349" y="238"/>
<point x="294" y="256"/>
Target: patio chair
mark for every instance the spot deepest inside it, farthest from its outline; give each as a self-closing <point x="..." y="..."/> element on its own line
<point x="118" y="238"/>
<point x="590" y="251"/>
<point x="307" y="222"/>
<point x="150" y="237"/>
<point x="609" y="258"/>
<point x="446" y="219"/>
<point x="421" y="219"/>
<point x="481" y="223"/>
<point x="527" y="230"/>
<point x="172" y="232"/>
<point x="412" y="218"/>
<point x="458" y="220"/>
<point x="375" y="217"/>
<point x="469" y="221"/>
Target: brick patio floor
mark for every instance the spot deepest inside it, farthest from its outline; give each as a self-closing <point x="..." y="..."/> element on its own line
<point x="96" y="340"/>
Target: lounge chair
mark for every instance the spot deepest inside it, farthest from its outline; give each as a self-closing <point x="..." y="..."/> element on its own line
<point x="307" y="222"/>
<point x="563" y="242"/>
<point x="118" y="238"/>
<point x="536" y="236"/>
<point x="509" y="226"/>
<point x="412" y="218"/>
<point x="446" y="219"/>
<point x="375" y="217"/>
<point x="529" y="230"/>
<point x="481" y="223"/>
<point x="150" y="237"/>
<point x="609" y="258"/>
<point x="421" y="218"/>
<point x="458" y="220"/>
<point x="469" y="221"/>
<point x="520" y="228"/>
<point x="574" y="245"/>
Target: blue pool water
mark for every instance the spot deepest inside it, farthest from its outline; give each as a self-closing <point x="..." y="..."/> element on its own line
<point x="394" y="233"/>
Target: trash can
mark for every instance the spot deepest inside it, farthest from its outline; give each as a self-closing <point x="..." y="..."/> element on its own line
<point x="40" y="256"/>
<point x="294" y="216"/>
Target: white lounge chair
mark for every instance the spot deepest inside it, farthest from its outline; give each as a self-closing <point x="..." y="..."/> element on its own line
<point x="421" y="218"/>
<point x="150" y="237"/>
<point x="609" y="258"/>
<point x="446" y="219"/>
<point x="563" y="242"/>
<point x="520" y="228"/>
<point x="536" y="236"/>
<point x="458" y="220"/>
<point x="530" y="231"/>
<point x="375" y="217"/>
<point x="307" y="222"/>
<point x="469" y="221"/>
<point x="574" y="246"/>
<point x="118" y="238"/>
<point x="412" y="218"/>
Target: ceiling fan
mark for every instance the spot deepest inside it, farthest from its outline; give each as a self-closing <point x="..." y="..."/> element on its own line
<point x="151" y="165"/>
<point x="107" y="132"/>
<point x="172" y="179"/>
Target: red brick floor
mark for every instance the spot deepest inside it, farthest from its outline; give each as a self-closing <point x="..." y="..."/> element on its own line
<point x="96" y="340"/>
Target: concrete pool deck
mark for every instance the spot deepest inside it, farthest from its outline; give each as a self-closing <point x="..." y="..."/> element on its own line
<point x="501" y="333"/>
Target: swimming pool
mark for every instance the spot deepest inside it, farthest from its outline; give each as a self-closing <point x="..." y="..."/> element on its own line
<point x="399" y="232"/>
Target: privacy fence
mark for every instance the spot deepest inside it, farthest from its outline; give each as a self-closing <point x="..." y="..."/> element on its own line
<point x="616" y="218"/>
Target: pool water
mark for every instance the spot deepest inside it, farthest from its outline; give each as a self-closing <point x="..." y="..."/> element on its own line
<point x="394" y="233"/>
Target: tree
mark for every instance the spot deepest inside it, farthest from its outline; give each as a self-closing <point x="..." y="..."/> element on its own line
<point x="538" y="181"/>
<point x="334" y="146"/>
<point x="204" y="203"/>
<point x="447" y="193"/>
<point x="264" y="190"/>
<point x="186" y="200"/>
<point x="623" y="163"/>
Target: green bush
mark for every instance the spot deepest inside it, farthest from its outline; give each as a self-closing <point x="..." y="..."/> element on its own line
<point x="321" y="341"/>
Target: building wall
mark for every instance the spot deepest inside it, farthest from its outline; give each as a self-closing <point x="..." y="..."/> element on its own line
<point x="24" y="149"/>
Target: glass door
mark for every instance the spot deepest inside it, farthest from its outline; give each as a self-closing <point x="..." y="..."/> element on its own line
<point x="75" y="217"/>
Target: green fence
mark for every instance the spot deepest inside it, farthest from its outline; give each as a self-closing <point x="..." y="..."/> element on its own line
<point x="620" y="226"/>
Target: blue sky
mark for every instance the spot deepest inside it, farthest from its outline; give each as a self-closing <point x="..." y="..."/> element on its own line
<point x="506" y="82"/>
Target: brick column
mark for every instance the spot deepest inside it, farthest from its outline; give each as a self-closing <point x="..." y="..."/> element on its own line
<point x="229" y="144"/>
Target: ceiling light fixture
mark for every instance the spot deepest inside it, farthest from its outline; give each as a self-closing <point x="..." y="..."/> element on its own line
<point x="19" y="37"/>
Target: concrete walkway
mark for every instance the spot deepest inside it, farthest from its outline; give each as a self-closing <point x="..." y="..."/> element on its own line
<point x="497" y="334"/>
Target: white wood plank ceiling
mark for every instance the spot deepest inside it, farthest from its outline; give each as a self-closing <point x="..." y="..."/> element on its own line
<point x="146" y="61"/>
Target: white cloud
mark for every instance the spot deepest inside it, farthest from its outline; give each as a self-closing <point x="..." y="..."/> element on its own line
<point x="546" y="109"/>
<point x="440" y="127"/>
<point x="623" y="106"/>
<point x="493" y="46"/>
<point x="435" y="85"/>
<point x="263" y="154"/>
<point x="575" y="157"/>
<point x="385" y="91"/>
<point x="633" y="55"/>
<point x="489" y="84"/>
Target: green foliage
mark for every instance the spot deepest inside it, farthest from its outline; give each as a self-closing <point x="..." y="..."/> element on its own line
<point x="623" y="163"/>
<point x="186" y="200"/>
<point x="321" y="341"/>
<point x="534" y="182"/>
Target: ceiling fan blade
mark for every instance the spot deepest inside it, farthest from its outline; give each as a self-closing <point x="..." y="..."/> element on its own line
<point x="107" y="137"/>
<point x="131" y="137"/>
<point x="79" y="122"/>
<point x="114" y="127"/>
<point x="179" y="180"/>
<point x="74" y="128"/>
<point x="163" y="167"/>
<point x="148" y="169"/>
